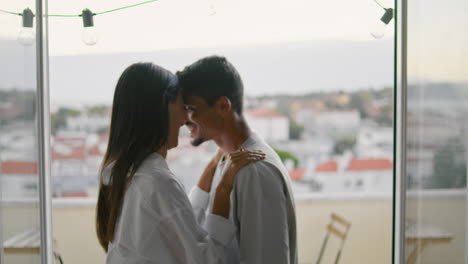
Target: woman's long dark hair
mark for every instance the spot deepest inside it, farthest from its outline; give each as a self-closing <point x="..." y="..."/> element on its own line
<point x="139" y="126"/>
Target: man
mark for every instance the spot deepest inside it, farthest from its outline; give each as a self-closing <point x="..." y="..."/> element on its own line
<point x="262" y="207"/>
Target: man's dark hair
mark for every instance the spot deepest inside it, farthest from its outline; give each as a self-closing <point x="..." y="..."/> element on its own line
<point x="213" y="77"/>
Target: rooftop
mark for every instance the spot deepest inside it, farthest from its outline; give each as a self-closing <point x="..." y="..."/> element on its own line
<point x="18" y="167"/>
<point x="264" y="113"/>
<point x="357" y="165"/>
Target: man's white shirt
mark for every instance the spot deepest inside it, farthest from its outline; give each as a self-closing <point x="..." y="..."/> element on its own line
<point x="262" y="209"/>
<point x="157" y="223"/>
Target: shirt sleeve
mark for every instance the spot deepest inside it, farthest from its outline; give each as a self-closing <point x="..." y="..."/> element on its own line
<point x="199" y="200"/>
<point x="184" y="241"/>
<point x="164" y="230"/>
<point x="262" y="214"/>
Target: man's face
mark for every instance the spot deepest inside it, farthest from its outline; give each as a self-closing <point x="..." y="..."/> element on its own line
<point x="204" y="122"/>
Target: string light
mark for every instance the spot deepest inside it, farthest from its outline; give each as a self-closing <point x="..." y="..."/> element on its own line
<point x="26" y="34"/>
<point x="89" y="36"/>
<point x="379" y="27"/>
<point x="89" y="33"/>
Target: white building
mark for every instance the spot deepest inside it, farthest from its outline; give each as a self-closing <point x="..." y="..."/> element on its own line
<point x="88" y="123"/>
<point x="19" y="179"/>
<point x="311" y="150"/>
<point x="375" y="142"/>
<point x="334" y="123"/>
<point x="68" y="156"/>
<point x="353" y="175"/>
<point x="271" y="125"/>
<point x="18" y="141"/>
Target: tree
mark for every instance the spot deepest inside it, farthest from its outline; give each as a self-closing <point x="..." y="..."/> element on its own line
<point x="284" y="155"/>
<point x="18" y="105"/>
<point x="386" y="115"/>
<point x="99" y="110"/>
<point x="59" y="119"/>
<point x="360" y="101"/>
<point x="295" y="130"/>
<point x="343" y="144"/>
<point x="449" y="166"/>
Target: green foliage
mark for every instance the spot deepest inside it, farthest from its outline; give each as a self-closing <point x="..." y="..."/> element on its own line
<point x="19" y="105"/>
<point x="384" y="93"/>
<point x="449" y="166"/>
<point x="343" y="144"/>
<point x="284" y="108"/>
<point x="103" y="130"/>
<point x="295" y="130"/>
<point x="59" y="119"/>
<point x="360" y="101"/>
<point x="386" y="115"/>
<point x="284" y="155"/>
<point x="100" y="110"/>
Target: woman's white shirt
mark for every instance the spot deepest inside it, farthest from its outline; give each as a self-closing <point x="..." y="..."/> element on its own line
<point x="157" y="222"/>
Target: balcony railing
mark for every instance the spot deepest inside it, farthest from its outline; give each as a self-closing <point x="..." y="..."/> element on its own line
<point x="369" y="239"/>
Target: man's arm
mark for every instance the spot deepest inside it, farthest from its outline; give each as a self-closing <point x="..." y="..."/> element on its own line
<point x="262" y="214"/>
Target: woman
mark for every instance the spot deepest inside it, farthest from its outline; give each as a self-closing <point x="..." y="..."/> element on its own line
<point x="143" y="213"/>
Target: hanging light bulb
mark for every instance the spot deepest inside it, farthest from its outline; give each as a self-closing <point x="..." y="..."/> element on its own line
<point x="26" y="34"/>
<point x="211" y="8"/>
<point x="89" y="32"/>
<point x="379" y="27"/>
<point x="205" y="8"/>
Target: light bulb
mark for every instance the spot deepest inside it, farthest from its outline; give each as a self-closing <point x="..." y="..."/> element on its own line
<point x="26" y="35"/>
<point x="89" y="36"/>
<point x="379" y="27"/>
<point x="206" y="8"/>
<point x="211" y="8"/>
<point x="89" y="32"/>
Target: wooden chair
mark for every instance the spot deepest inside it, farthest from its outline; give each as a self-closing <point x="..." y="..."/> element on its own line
<point x="335" y="227"/>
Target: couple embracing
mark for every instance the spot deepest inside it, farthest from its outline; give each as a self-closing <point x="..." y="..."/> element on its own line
<point x="242" y="209"/>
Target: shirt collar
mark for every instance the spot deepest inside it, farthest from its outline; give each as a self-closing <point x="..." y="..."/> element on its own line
<point x="251" y="140"/>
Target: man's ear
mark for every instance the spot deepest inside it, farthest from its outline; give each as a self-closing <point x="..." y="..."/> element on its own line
<point x="224" y="104"/>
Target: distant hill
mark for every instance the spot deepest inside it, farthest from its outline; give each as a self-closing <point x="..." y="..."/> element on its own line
<point x="269" y="69"/>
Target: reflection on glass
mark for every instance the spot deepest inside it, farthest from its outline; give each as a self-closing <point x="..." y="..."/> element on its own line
<point x="437" y="133"/>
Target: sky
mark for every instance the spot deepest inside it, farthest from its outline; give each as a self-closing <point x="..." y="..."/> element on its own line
<point x="437" y="43"/>
<point x="266" y="69"/>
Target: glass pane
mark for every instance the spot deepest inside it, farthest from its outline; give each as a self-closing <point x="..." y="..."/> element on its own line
<point x="19" y="209"/>
<point x="436" y="225"/>
<point x="318" y="86"/>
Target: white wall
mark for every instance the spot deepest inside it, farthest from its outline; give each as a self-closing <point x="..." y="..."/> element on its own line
<point x="271" y="129"/>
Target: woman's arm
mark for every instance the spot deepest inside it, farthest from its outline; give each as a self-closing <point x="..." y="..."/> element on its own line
<point x="160" y="227"/>
<point x="207" y="176"/>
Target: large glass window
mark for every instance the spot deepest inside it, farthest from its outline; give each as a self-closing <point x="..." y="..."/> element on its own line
<point x="319" y="89"/>
<point x="436" y="223"/>
<point x="19" y="191"/>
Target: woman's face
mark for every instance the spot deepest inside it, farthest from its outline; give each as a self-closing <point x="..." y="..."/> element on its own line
<point x="177" y="118"/>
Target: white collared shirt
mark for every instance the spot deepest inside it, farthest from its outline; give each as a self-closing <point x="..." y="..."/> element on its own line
<point x="262" y="209"/>
<point x="157" y="222"/>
